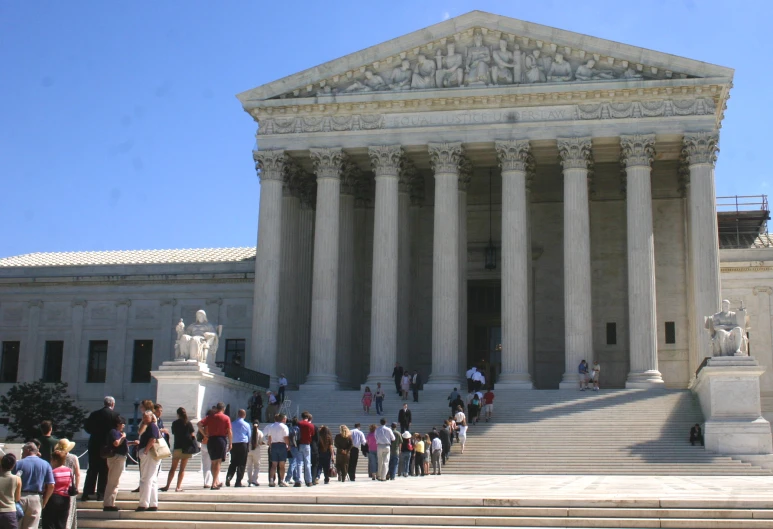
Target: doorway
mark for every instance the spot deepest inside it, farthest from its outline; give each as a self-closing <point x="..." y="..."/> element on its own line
<point x="484" y="327"/>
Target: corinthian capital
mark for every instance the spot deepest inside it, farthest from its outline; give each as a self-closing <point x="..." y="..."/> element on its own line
<point x="637" y="149"/>
<point x="386" y="159"/>
<point x="575" y="153"/>
<point x="327" y="162"/>
<point x="445" y="157"/>
<point x="270" y="164"/>
<point x="700" y="147"/>
<point x="513" y="155"/>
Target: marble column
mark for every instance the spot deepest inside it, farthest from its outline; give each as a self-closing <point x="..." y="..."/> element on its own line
<point x="576" y="160"/>
<point x="699" y="151"/>
<point x="344" y="358"/>
<point x="445" y="159"/>
<point x="465" y="177"/>
<point x="385" y="160"/>
<point x="119" y="357"/>
<point x="288" y="282"/>
<point x="514" y="159"/>
<point x="306" y="258"/>
<point x="324" y="289"/>
<point x="637" y="153"/>
<point x="72" y="360"/>
<point x="28" y="368"/>
<point x="407" y="174"/>
<point x="265" y="305"/>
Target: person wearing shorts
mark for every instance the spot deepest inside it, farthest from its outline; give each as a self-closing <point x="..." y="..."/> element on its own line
<point x="582" y="371"/>
<point x="595" y="373"/>
<point x="217" y="427"/>
<point x="278" y="436"/>
<point x="488" y="404"/>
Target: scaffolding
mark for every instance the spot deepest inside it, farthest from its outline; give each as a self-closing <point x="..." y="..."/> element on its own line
<point x="742" y="221"/>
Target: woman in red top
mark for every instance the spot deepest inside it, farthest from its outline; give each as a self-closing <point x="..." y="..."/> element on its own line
<point x="57" y="509"/>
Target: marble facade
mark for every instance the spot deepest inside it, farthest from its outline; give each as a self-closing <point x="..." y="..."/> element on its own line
<point x="375" y="212"/>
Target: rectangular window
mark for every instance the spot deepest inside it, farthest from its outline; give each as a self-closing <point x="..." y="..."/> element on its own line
<point x="143" y="361"/>
<point x="52" y="368"/>
<point x="97" y="361"/>
<point x="233" y="348"/>
<point x="611" y="333"/>
<point x="9" y="364"/>
<point x="670" y="332"/>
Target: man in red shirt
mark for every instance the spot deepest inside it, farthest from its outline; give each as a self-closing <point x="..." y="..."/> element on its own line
<point x="488" y="404"/>
<point x="218" y="428"/>
<point x="304" y="445"/>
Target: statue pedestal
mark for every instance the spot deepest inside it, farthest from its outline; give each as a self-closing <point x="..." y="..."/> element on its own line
<point x="197" y="387"/>
<point x="728" y="388"/>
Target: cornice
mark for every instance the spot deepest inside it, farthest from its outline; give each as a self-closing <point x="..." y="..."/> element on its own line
<point x="729" y="269"/>
<point x="87" y="281"/>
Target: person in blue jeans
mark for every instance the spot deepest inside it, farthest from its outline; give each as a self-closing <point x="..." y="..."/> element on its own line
<point x="405" y="455"/>
<point x="394" y="451"/>
<point x="379" y="395"/>
<point x="295" y="458"/>
<point x="582" y="371"/>
<point x="307" y="434"/>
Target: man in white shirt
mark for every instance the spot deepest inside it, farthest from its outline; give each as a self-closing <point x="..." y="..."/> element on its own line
<point x="436" y="450"/>
<point x="282" y="387"/>
<point x="279" y="442"/>
<point x="459" y="416"/>
<point x="384" y="438"/>
<point x="469" y="375"/>
<point x="477" y="380"/>
<point x="358" y="439"/>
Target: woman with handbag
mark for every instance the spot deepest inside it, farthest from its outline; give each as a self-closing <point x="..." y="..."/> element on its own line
<point x="184" y="447"/>
<point x="57" y="509"/>
<point x="149" y="440"/>
<point x="71" y="462"/>
<point x="10" y="493"/>
<point x="115" y="453"/>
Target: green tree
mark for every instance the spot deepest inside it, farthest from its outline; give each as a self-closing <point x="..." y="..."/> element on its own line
<point x="28" y="404"/>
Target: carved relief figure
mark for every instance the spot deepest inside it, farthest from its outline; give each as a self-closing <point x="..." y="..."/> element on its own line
<point x="585" y="72"/>
<point x="478" y="62"/>
<point x="449" y="68"/>
<point x="197" y="340"/>
<point x="630" y="73"/>
<point x="424" y="74"/>
<point x="560" y="71"/>
<point x="401" y="76"/>
<point x="503" y="65"/>
<point x="372" y="83"/>
<point x="533" y="73"/>
<point x="728" y="331"/>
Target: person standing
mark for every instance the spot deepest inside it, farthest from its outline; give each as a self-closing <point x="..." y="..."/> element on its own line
<point x="397" y="375"/>
<point x="206" y="462"/>
<point x="343" y="446"/>
<point x="595" y="374"/>
<point x="217" y="429"/>
<point x="184" y="441"/>
<point x="47" y="441"/>
<point x="255" y="405"/>
<point x="418" y="455"/>
<point x="416" y="384"/>
<point x="325" y="451"/>
<point x="462" y="437"/>
<point x="379" y="395"/>
<point x="293" y="458"/>
<point x="488" y="404"/>
<point x="394" y="451"/>
<point x="358" y="439"/>
<point x="477" y="380"/>
<point x="57" y="509"/>
<point x="158" y="410"/>
<point x="10" y="492"/>
<point x="253" y="455"/>
<point x="148" y="464"/>
<point x="272" y="407"/>
<point x="367" y="400"/>
<point x="384" y="438"/>
<point x="116" y="463"/>
<point x="305" y="441"/>
<point x="436" y="451"/>
<point x="239" y="448"/>
<point x="696" y="435"/>
<point x="406" y="450"/>
<point x="405" y="418"/>
<point x="469" y="374"/>
<point x="405" y="384"/>
<point x="282" y="387"/>
<point x="37" y="485"/>
<point x="98" y="425"/>
<point x="279" y="442"/>
<point x="72" y="463"/>
<point x="582" y="371"/>
<point x="445" y="440"/>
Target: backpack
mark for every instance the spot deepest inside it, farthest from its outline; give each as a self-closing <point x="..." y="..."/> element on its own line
<point x="295" y="434"/>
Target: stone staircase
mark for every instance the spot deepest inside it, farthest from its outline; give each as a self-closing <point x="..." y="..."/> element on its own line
<point x="271" y="510"/>
<point x="554" y="431"/>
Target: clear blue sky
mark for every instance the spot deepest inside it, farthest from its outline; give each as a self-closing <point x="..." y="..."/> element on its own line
<point x="118" y="118"/>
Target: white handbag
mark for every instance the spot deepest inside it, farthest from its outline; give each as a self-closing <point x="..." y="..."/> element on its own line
<point x="160" y="450"/>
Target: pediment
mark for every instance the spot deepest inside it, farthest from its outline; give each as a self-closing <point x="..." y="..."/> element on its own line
<point x="492" y="50"/>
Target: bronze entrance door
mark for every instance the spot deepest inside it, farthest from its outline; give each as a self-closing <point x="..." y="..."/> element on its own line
<point x="484" y="327"/>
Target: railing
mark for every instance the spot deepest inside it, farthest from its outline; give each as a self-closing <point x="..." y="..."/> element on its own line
<point x="742" y="221"/>
<point x="739" y="203"/>
<point x="242" y="374"/>
<point x="703" y="364"/>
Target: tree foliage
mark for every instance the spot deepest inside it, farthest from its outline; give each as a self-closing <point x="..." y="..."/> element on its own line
<point x="28" y="404"/>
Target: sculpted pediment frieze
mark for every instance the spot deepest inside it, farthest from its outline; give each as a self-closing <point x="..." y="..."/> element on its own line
<point x="480" y="50"/>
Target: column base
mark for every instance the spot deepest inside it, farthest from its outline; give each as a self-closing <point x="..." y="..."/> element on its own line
<point x="570" y="381"/>
<point x="373" y="378"/>
<point x="514" y="381"/>
<point x="444" y="381"/>
<point x="650" y="379"/>
<point x="320" y="381"/>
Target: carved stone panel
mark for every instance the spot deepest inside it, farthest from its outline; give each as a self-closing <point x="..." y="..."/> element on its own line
<point x="56" y="313"/>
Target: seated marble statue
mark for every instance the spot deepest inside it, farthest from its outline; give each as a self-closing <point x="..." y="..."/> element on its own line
<point x="424" y="74"/>
<point x="728" y="331"/>
<point x="197" y="340"/>
<point x="449" y="69"/>
<point x="401" y="76"/>
<point x="371" y="83"/>
<point x="560" y="70"/>
<point x="630" y="73"/>
<point x="478" y="61"/>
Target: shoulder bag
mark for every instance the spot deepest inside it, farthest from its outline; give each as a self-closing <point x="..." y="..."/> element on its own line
<point x="160" y="450"/>
<point x="72" y="490"/>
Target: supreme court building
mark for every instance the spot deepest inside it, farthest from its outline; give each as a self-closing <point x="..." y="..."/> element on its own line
<point x="484" y="191"/>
